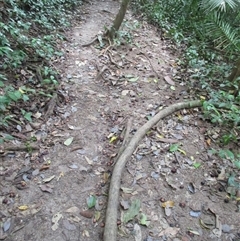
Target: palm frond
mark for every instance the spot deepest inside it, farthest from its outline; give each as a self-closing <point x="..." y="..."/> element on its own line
<point x="224" y="34"/>
<point x="221" y="5"/>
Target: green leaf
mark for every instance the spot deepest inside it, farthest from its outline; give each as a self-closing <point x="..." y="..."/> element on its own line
<point x="237" y="164"/>
<point x="1" y="84"/>
<point x="8" y="137"/>
<point x="143" y="220"/>
<point x="132" y="211"/>
<point x="68" y="141"/>
<point x="15" y="95"/>
<point x="91" y="201"/>
<point x="174" y="147"/>
<point x="133" y="79"/>
<point x="28" y="116"/>
<point x="197" y="164"/>
<point x="231" y="181"/>
<point x="25" y="98"/>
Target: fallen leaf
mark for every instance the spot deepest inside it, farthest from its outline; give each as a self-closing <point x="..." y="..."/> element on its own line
<point x="208" y="141"/>
<point x="194" y="232"/>
<point x="132" y="211"/>
<point x="191" y="188"/>
<point x="195" y="214"/>
<point x="127" y="190"/>
<point x="72" y="210"/>
<point x="7" y="225"/>
<point x="125" y="92"/>
<point x="173" y="147"/>
<point x="133" y="79"/>
<point x="97" y="215"/>
<point x="46" y="188"/>
<point x="182" y="151"/>
<point x="168" y="204"/>
<point x="91" y="201"/>
<point x="143" y="220"/>
<point x="113" y="138"/>
<point x="167" y="207"/>
<point x="22" y="208"/>
<point x="168" y="211"/>
<point x="55" y="220"/>
<point x="49" y="179"/>
<point x="197" y="164"/>
<point x="169" y="80"/>
<point x="205" y="225"/>
<point x="106" y="176"/>
<point x="85" y="233"/>
<point x="68" y="141"/>
<point x="73" y="166"/>
<point x="170" y="231"/>
<point x="88" y="160"/>
<point x="86" y="213"/>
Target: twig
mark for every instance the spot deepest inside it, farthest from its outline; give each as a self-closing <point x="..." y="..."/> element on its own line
<point x="150" y="64"/>
<point x="112" y="61"/>
<point x="110" y="230"/>
<point x="90" y="43"/>
<point x="101" y="72"/>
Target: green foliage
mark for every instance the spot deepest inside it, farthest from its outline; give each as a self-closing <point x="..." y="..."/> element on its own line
<point x="28" y="35"/>
<point x="223" y="108"/>
<point x="229" y="155"/>
<point x="124" y="35"/>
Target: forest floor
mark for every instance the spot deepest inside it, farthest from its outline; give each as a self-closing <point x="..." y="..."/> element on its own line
<point x="59" y="192"/>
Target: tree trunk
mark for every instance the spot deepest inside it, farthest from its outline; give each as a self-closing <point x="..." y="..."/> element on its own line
<point x="118" y="20"/>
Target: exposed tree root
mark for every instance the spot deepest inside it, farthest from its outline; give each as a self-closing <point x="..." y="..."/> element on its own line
<point x="110" y="230"/>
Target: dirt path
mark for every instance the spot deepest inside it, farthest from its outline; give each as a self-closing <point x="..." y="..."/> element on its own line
<point x="61" y="177"/>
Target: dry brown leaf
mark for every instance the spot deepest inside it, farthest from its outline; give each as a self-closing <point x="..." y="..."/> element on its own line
<point x="86" y="213"/>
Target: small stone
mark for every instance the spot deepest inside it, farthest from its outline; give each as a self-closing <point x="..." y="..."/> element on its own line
<point x="68" y="225"/>
<point x="226" y="228"/>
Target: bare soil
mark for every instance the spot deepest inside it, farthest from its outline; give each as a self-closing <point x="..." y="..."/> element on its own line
<point x="44" y="194"/>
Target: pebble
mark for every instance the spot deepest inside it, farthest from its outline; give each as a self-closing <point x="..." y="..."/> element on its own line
<point x="226" y="228"/>
<point x="68" y="225"/>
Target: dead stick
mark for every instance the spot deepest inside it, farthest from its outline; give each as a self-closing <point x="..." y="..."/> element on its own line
<point x="110" y="230"/>
<point x="21" y="148"/>
<point x="101" y="72"/>
<point x="90" y="43"/>
<point x="150" y="64"/>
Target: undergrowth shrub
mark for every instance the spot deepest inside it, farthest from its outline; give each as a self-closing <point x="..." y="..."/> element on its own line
<point x="28" y="40"/>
